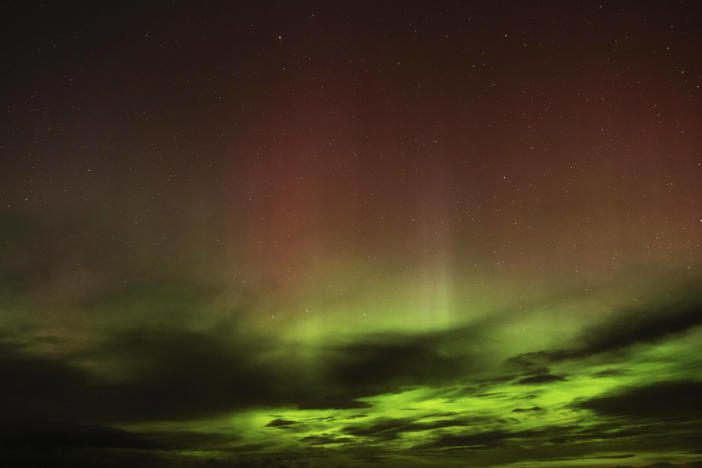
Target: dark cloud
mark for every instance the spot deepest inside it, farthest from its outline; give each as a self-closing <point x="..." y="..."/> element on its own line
<point x="540" y="379"/>
<point x="679" y="400"/>
<point x="385" y="363"/>
<point x="278" y="422"/>
<point x="43" y="435"/>
<point x="38" y="388"/>
<point x="191" y="440"/>
<point x="528" y="410"/>
<point x="326" y="439"/>
<point x="185" y="375"/>
<point x="83" y="458"/>
<point x="601" y="457"/>
<point x="500" y="447"/>
<point x="391" y="428"/>
<point x="175" y="374"/>
<point x="161" y="375"/>
<point x="478" y="440"/>
<point x="169" y="374"/>
<point x="610" y="373"/>
<point x="61" y="444"/>
<point x="648" y="323"/>
<point x="340" y="400"/>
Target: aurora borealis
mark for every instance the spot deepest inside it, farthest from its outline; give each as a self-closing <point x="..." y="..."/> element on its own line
<point x="351" y="234"/>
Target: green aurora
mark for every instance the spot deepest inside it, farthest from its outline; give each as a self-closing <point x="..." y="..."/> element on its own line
<point x="516" y="385"/>
<point x="370" y="234"/>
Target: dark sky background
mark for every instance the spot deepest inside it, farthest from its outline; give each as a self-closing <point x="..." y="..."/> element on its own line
<point x="351" y="233"/>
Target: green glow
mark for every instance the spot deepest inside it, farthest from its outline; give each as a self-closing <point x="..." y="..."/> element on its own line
<point x="531" y="418"/>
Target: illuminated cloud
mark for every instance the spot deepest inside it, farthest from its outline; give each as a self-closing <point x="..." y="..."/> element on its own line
<point x="394" y="234"/>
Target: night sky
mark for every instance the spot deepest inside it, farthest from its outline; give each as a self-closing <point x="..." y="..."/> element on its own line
<point x="351" y="234"/>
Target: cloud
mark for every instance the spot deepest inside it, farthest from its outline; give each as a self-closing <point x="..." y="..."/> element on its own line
<point x="42" y="435"/>
<point x="540" y="379"/>
<point x="610" y="373"/>
<point x="384" y="429"/>
<point x="336" y="401"/>
<point x="678" y="400"/>
<point x="282" y="423"/>
<point x="479" y="440"/>
<point x="150" y="375"/>
<point x="181" y="375"/>
<point x="646" y="324"/>
<point x="37" y="387"/>
<point x="62" y="444"/>
<point x="384" y="363"/>
<point x="326" y="439"/>
<point x="528" y="410"/>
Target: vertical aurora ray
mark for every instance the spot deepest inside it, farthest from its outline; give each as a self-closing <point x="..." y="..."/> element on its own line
<point x="351" y="235"/>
